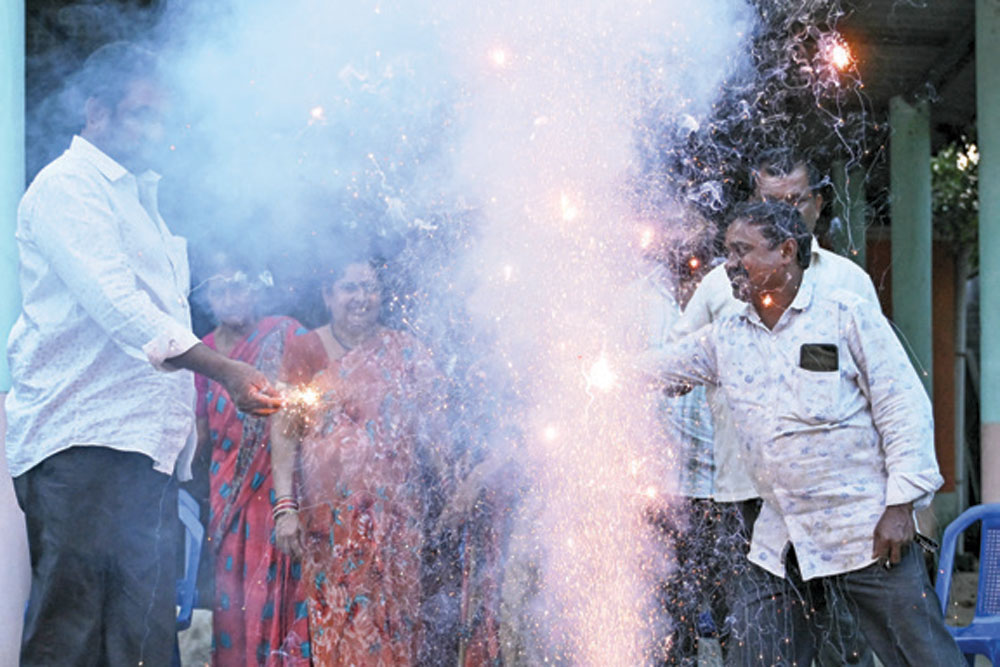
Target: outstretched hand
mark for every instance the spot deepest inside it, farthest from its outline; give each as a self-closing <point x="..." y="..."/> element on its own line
<point x="251" y="390"/>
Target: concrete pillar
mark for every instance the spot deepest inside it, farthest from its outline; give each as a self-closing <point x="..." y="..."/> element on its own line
<point x="849" y="205"/>
<point x="14" y="574"/>
<point x="988" y="121"/>
<point x="910" y="185"/>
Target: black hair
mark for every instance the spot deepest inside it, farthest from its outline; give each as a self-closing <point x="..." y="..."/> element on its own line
<point x="783" y="160"/>
<point x="777" y="222"/>
<point x="108" y="72"/>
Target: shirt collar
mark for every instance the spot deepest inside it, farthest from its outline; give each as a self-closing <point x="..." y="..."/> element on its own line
<point x="804" y="296"/>
<point x="105" y="163"/>
<point x="801" y="301"/>
<point x="95" y="156"/>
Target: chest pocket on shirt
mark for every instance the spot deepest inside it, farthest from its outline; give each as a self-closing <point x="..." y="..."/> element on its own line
<point x="817" y="382"/>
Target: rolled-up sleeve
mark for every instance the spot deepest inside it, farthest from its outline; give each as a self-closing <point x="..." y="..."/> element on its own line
<point x="901" y="409"/>
<point x="72" y="225"/>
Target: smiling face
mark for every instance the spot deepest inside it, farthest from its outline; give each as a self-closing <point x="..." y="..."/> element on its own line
<point x="754" y="267"/>
<point x="354" y="300"/>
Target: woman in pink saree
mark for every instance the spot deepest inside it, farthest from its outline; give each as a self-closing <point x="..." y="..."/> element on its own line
<point x="355" y="513"/>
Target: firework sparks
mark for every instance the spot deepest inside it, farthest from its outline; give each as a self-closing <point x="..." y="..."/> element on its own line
<point x="601" y="376"/>
<point x="300" y="401"/>
<point x="499" y="56"/>
<point x="570" y="211"/>
<point x="646" y="237"/>
<point x="840" y="56"/>
<point x="317" y="115"/>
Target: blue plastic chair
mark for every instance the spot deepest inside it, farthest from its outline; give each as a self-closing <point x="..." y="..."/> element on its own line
<point x="982" y="636"/>
<point x="194" y="533"/>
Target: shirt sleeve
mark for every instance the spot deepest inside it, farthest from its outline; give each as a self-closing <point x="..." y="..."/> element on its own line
<point x="75" y="229"/>
<point x="683" y="363"/>
<point x="901" y="409"/>
<point x="861" y="284"/>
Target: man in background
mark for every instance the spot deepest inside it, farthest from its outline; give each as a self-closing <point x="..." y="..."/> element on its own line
<point x="101" y="411"/>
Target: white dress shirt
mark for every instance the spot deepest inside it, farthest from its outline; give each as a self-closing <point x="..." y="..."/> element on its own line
<point x="828" y="449"/>
<point x="104" y="291"/>
<point x="713" y="300"/>
<point x="686" y="420"/>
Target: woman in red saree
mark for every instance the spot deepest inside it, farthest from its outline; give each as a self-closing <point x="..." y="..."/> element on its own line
<point x="259" y="612"/>
<point x="356" y="515"/>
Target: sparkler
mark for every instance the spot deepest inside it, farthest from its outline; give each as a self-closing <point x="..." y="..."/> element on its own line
<point x="299" y="402"/>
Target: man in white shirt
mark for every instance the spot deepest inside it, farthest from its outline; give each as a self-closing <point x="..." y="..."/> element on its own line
<point x="836" y="430"/>
<point x="101" y="411"/>
<point x="780" y="175"/>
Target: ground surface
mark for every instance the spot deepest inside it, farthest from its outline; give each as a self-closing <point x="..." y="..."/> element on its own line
<point x="196" y="642"/>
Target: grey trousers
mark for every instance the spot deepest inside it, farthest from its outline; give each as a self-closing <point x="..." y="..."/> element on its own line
<point x="784" y="621"/>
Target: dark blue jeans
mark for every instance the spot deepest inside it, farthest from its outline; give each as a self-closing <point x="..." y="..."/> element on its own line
<point x="784" y="621"/>
<point x="103" y="535"/>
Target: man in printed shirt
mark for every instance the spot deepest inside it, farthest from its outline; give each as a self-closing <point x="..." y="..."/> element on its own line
<point x="781" y="174"/>
<point x="101" y="411"/>
<point x="837" y="432"/>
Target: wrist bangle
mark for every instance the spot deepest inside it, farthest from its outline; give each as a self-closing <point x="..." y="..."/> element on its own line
<point x="280" y="513"/>
<point x="284" y="505"/>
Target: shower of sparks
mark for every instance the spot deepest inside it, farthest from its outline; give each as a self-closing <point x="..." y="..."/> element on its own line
<point x="767" y="301"/>
<point x="299" y="402"/>
<point x="550" y="433"/>
<point x="508" y="272"/>
<point x="694" y="263"/>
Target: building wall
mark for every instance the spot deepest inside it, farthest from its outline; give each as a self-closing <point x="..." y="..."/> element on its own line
<point x="944" y="318"/>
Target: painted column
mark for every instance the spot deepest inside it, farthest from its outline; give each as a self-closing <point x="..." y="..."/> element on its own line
<point x="988" y="121"/>
<point x="849" y="206"/>
<point x="910" y="186"/>
<point x="14" y="575"/>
